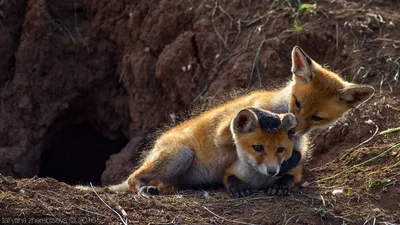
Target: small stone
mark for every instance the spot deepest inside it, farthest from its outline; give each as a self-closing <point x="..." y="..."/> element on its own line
<point x="305" y="184"/>
<point x="338" y="191"/>
<point x="369" y="122"/>
<point x="377" y="210"/>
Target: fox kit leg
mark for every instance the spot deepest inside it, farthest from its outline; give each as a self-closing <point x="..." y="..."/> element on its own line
<point x="292" y="169"/>
<point x="297" y="173"/>
<point x="299" y="147"/>
<point x="291" y="163"/>
<point x="160" y="171"/>
<point x="283" y="184"/>
<point x="236" y="187"/>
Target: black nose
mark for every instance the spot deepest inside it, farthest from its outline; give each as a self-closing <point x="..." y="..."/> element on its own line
<point x="271" y="170"/>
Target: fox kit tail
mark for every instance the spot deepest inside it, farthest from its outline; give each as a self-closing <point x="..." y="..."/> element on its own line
<point x="119" y="188"/>
<point x="86" y="188"/>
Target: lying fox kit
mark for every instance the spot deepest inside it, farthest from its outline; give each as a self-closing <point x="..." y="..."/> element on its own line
<point x="263" y="141"/>
<point x="181" y="160"/>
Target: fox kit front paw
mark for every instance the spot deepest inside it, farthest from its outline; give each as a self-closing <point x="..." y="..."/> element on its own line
<point x="238" y="188"/>
<point x="148" y="190"/>
<point x="281" y="186"/>
<point x="290" y="163"/>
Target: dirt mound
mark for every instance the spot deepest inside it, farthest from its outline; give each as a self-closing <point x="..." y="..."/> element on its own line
<point x="81" y="75"/>
<point x="364" y="195"/>
<point x="122" y="69"/>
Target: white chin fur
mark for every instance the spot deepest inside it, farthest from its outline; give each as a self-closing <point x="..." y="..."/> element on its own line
<point x="277" y="170"/>
<point x="263" y="169"/>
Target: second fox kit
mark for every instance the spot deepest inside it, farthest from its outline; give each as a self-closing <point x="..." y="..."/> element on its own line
<point x="316" y="96"/>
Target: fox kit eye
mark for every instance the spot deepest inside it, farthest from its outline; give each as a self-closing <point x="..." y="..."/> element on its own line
<point x="280" y="150"/>
<point x="291" y="132"/>
<point x="258" y="148"/>
<point x="298" y="105"/>
<point x="316" y="118"/>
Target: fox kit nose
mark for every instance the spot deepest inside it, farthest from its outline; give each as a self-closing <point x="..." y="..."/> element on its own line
<point x="273" y="170"/>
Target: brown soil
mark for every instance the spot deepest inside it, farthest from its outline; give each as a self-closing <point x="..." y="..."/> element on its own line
<point x="83" y="83"/>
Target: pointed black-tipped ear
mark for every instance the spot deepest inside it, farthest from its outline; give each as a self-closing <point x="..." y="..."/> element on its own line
<point x="245" y="121"/>
<point x="301" y="64"/>
<point x="354" y="95"/>
<point x="289" y="122"/>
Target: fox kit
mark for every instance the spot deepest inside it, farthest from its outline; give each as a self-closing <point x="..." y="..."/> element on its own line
<point x="263" y="141"/>
<point x="315" y="96"/>
<point x="202" y="165"/>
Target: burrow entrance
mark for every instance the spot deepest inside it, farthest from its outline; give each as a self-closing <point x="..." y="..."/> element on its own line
<point x="77" y="154"/>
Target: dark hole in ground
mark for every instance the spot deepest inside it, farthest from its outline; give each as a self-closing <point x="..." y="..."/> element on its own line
<point x="78" y="154"/>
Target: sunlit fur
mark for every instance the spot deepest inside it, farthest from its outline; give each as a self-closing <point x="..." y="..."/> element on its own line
<point x="209" y="139"/>
<point x="320" y="97"/>
<point x="255" y="167"/>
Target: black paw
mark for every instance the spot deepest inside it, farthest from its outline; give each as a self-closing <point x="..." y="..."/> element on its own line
<point x="238" y="188"/>
<point x="290" y="163"/>
<point x="148" y="190"/>
<point x="281" y="186"/>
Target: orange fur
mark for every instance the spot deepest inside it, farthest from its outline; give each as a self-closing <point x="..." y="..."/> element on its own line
<point x="297" y="173"/>
<point x="320" y="92"/>
<point x="271" y="141"/>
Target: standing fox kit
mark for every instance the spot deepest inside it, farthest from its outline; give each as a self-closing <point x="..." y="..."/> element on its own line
<point x="315" y="96"/>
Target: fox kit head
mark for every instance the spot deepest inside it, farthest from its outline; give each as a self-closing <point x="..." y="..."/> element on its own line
<point x="263" y="139"/>
<point x="319" y="96"/>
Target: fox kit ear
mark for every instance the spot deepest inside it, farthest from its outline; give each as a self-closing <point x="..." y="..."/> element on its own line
<point x="301" y="64"/>
<point x="354" y="95"/>
<point x="245" y="121"/>
<point x="289" y="122"/>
